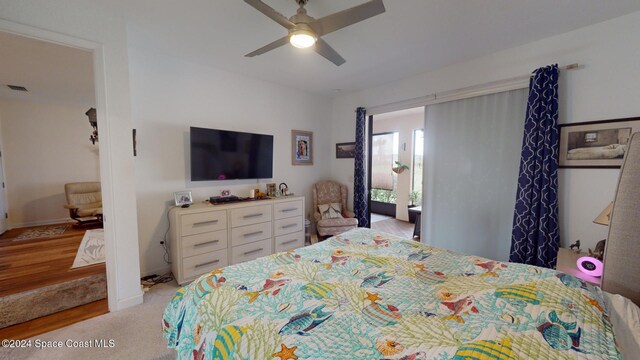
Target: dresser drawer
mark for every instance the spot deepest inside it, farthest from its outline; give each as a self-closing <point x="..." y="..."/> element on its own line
<point x="197" y="265"/>
<point x="203" y="243"/>
<point x="250" y="233"/>
<point x="289" y="241"/>
<point x="250" y="251"/>
<point x="287" y="226"/>
<point x="287" y="209"/>
<point x="203" y="222"/>
<point x="250" y="215"/>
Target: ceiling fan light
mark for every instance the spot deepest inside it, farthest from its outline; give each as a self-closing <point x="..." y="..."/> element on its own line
<point x="302" y="39"/>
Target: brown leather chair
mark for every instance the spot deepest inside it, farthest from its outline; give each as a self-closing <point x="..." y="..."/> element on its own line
<point x="331" y="192"/>
<point x="84" y="201"/>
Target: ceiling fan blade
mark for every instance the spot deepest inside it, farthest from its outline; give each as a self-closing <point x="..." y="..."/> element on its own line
<point x="273" y="45"/>
<point x="328" y="53"/>
<point x="339" y="20"/>
<point x="271" y="13"/>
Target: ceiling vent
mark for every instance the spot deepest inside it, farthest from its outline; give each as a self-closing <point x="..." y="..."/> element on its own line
<point x="17" y="88"/>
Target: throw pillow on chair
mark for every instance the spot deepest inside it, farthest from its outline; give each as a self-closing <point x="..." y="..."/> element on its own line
<point x="330" y="211"/>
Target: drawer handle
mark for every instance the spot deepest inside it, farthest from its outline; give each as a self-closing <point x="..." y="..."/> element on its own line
<point x="289" y="242"/>
<point x="289" y="209"/>
<point x="205" y="222"/>
<point x="208" y="263"/>
<point x="252" y="215"/>
<point x="253" y="233"/>
<point x="288" y="226"/>
<point x="206" y="243"/>
<point x="252" y="251"/>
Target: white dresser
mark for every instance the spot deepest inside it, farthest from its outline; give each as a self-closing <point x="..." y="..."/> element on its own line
<point x="205" y="237"/>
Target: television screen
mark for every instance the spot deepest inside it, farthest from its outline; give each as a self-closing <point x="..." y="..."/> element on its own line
<point x="230" y="155"/>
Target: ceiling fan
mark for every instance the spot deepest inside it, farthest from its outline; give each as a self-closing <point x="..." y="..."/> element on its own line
<point x="305" y="31"/>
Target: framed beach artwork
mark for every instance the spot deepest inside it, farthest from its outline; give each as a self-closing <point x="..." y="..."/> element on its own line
<point x="301" y="147"/>
<point x="345" y="150"/>
<point x="596" y="144"/>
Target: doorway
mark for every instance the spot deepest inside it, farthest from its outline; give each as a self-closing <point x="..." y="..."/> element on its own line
<point x="45" y="145"/>
<point x="396" y="170"/>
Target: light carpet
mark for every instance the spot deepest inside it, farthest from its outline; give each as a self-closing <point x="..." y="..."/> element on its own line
<point x="42" y="232"/>
<point x="91" y="250"/>
<point x="136" y="332"/>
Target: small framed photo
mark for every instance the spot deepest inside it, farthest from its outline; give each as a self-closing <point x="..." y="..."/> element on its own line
<point x="301" y="147"/>
<point x="596" y="144"/>
<point x="346" y="150"/>
<point x="183" y="198"/>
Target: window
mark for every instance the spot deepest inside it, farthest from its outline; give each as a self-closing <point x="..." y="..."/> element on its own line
<point x="383" y="179"/>
<point x="415" y="198"/>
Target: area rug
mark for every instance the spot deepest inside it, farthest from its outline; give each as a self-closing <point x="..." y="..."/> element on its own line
<point x="42" y="232"/>
<point x="91" y="250"/>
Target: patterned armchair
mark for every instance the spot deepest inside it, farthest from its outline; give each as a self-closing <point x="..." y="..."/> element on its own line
<point x="330" y="197"/>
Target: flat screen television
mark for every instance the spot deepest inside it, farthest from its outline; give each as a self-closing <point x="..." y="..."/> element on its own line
<point x="230" y="155"/>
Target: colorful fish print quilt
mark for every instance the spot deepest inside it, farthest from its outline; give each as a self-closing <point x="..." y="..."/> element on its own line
<point x="371" y="295"/>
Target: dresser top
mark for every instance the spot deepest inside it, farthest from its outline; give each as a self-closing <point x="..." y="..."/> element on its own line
<point x="206" y="206"/>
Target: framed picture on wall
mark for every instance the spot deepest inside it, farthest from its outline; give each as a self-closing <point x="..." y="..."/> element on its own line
<point x="345" y="150"/>
<point x="596" y="144"/>
<point x="301" y="147"/>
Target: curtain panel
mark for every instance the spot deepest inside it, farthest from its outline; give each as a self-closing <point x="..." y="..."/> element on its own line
<point x="535" y="237"/>
<point x="471" y="157"/>
<point x="360" y="198"/>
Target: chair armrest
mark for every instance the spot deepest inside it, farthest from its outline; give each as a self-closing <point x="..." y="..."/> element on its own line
<point x="317" y="216"/>
<point x="348" y="214"/>
<point x="71" y="207"/>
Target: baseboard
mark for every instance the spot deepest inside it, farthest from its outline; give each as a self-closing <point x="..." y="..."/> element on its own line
<point x="39" y="223"/>
<point x="129" y="302"/>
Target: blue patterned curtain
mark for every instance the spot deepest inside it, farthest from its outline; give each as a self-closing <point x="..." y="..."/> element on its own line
<point x="360" y="204"/>
<point x="535" y="238"/>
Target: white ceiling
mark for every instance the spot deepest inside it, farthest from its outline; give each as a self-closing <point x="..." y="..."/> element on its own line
<point x="52" y="73"/>
<point x="412" y="36"/>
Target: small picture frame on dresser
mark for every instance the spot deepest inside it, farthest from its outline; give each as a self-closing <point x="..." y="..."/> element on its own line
<point x="183" y="198"/>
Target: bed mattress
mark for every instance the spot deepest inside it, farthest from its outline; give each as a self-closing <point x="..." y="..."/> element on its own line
<point x="370" y="295"/>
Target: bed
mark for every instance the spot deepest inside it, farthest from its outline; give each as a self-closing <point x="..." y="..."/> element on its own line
<point x="370" y="295"/>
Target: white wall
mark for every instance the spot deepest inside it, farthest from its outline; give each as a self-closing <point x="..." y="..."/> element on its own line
<point x="45" y="147"/>
<point x="605" y="87"/>
<point x="84" y="21"/>
<point x="169" y="95"/>
<point x="404" y="125"/>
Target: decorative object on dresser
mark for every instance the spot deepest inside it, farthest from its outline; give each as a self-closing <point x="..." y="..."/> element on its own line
<point x="301" y="147"/>
<point x="206" y="237"/>
<point x="183" y="198"/>
<point x="271" y="189"/>
<point x="328" y="193"/>
<point x="596" y="144"/>
<point x="284" y="189"/>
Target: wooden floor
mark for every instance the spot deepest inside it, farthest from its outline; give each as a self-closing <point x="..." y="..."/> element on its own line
<point x="30" y="264"/>
<point x="394" y="226"/>
<point x="34" y="263"/>
<point x="54" y="321"/>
